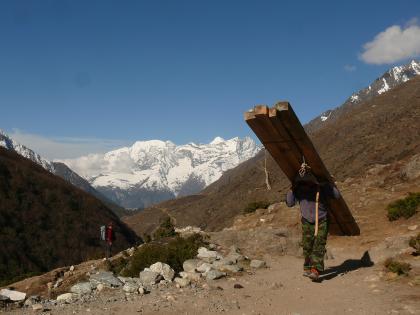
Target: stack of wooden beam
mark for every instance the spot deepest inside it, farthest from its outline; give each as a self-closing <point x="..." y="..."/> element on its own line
<point x="284" y="137"/>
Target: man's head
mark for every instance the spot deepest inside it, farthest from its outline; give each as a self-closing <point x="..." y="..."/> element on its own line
<point x="307" y="180"/>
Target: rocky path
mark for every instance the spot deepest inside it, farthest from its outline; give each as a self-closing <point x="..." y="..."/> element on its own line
<point x="278" y="289"/>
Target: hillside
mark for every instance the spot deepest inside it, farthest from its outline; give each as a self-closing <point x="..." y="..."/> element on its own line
<point x="381" y="130"/>
<point x="46" y="222"/>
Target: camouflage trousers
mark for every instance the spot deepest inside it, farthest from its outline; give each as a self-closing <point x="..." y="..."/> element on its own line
<point x="314" y="246"/>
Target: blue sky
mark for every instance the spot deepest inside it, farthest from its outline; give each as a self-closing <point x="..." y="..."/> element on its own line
<point x="81" y="76"/>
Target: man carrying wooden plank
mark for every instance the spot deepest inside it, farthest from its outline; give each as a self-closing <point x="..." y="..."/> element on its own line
<point x="313" y="200"/>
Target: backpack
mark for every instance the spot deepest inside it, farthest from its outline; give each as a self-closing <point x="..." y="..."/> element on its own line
<point x="103" y="233"/>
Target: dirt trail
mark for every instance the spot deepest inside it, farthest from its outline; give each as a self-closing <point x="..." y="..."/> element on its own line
<point x="279" y="289"/>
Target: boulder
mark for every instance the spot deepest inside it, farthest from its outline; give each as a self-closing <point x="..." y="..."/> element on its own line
<point x="164" y="270"/>
<point x="182" y="282"/>
<point x="214" y="274"/>
<point x="106" y="278"/>
<point x="208" y="255"/>
<point x="13" y="295"/>
<point x="81" y="288"/>
<point x="130" y="287"/>
<point x="34" y="299"/>
<point x="66" y="297"/>
<point x="204" y="267"/>
<point x="223" y="262"/>
<point x="148" y="277"/>
<point x="255" y="263"/>
<point x="230" y="268"/>
<point x="190" y="265"/>
<point x="234" y="257"/>
<point x="192" y="276"/>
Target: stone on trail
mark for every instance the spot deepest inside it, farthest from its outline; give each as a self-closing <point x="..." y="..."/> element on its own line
<point x="14" y="296"/>
<point x="66" y="297"/>
<point x="38" y="307"/>
<point x="192" y="276"/>
<point x="208" y="255"/>
<point x="204" y="267"/>
<point x="230" y="268"/>
<point x="130" y="287"/>
<point x="148" y="277"/>
<point x="214" y="274"/>
<point x="255" y="263"/>
<point x="106" y="278"/>
<point x="190" y="265"/>
<point x="81" y="288"/>
<point x="164" y="270"/>
<point x="182" y="282"/>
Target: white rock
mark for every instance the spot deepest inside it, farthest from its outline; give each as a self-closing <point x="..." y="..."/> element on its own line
<point x="81" y="288"/>
<point x="141" y="291"/>
<point x="412" y="227"/>
<point x="37" y="307"/>
<point x="192" y="276"/>
<point x="100" y="287"/>
<point x="15" y="296"/>
<point x="190" y="265"/>
<point x="130" y="287"/>
<point x="148" y="277"/>
<point x="204" y="253"/>
<point x="204" y="267"/>
<point x="257" y="264"/>
<point x="182" y="282"/>
<point x="66" y="297"/>
<point x="71" y="268"/>
<point x="214" y="274"/>
<point x="230" y="268"/>
<point x="164" y="270"/>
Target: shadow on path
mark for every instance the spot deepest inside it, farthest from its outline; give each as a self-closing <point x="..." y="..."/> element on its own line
<point x="347" y="266"/>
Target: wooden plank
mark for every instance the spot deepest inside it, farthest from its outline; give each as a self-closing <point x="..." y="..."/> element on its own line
<point x="339" y="208"/>
<point x="284" y="144"/>
<point x="269" y="143"/>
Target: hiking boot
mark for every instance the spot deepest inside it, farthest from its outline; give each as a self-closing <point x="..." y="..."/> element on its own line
<point x="306" y="272"/>
<point x="314" y="274"/>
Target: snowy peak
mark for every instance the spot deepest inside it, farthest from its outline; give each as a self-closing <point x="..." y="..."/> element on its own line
<point x="10" y="144"/>
<point x="392" y="78"/>
<point x="161" y="166"/>
<point x="389" y="80"/>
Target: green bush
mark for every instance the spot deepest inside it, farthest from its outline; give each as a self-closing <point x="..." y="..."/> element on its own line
<point x="251" y="207"/>
<point x="405" y="208"/>
<point x="166" y="229"/>
<point x="415" y="243"/>
<point x="398" y="267"/>
<point x="173" y="253"/>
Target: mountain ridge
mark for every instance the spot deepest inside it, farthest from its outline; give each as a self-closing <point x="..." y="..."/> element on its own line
<point x="151" y="171"/>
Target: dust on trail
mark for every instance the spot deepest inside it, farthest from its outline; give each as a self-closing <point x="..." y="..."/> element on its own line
<point x="279" y="289"/>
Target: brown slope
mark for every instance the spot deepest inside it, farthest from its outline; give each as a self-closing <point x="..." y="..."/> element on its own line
<point x="46" y="222"/>
<point x="382" y="130"/>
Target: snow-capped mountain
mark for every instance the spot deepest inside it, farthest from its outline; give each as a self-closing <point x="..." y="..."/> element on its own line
<point x="153" y="171"/>
<point x="10" y="144"/>
<point x="389" y="80"/>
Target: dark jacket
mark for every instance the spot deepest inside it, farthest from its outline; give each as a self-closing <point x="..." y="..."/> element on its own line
<point x="306" y="196"/>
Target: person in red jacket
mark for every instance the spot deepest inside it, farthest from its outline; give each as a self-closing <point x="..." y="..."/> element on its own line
<point x="109" y="238"/>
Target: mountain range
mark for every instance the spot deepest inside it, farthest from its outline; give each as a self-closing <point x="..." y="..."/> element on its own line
<point x="152" y="171"/>
<point x="383" y="128"/>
